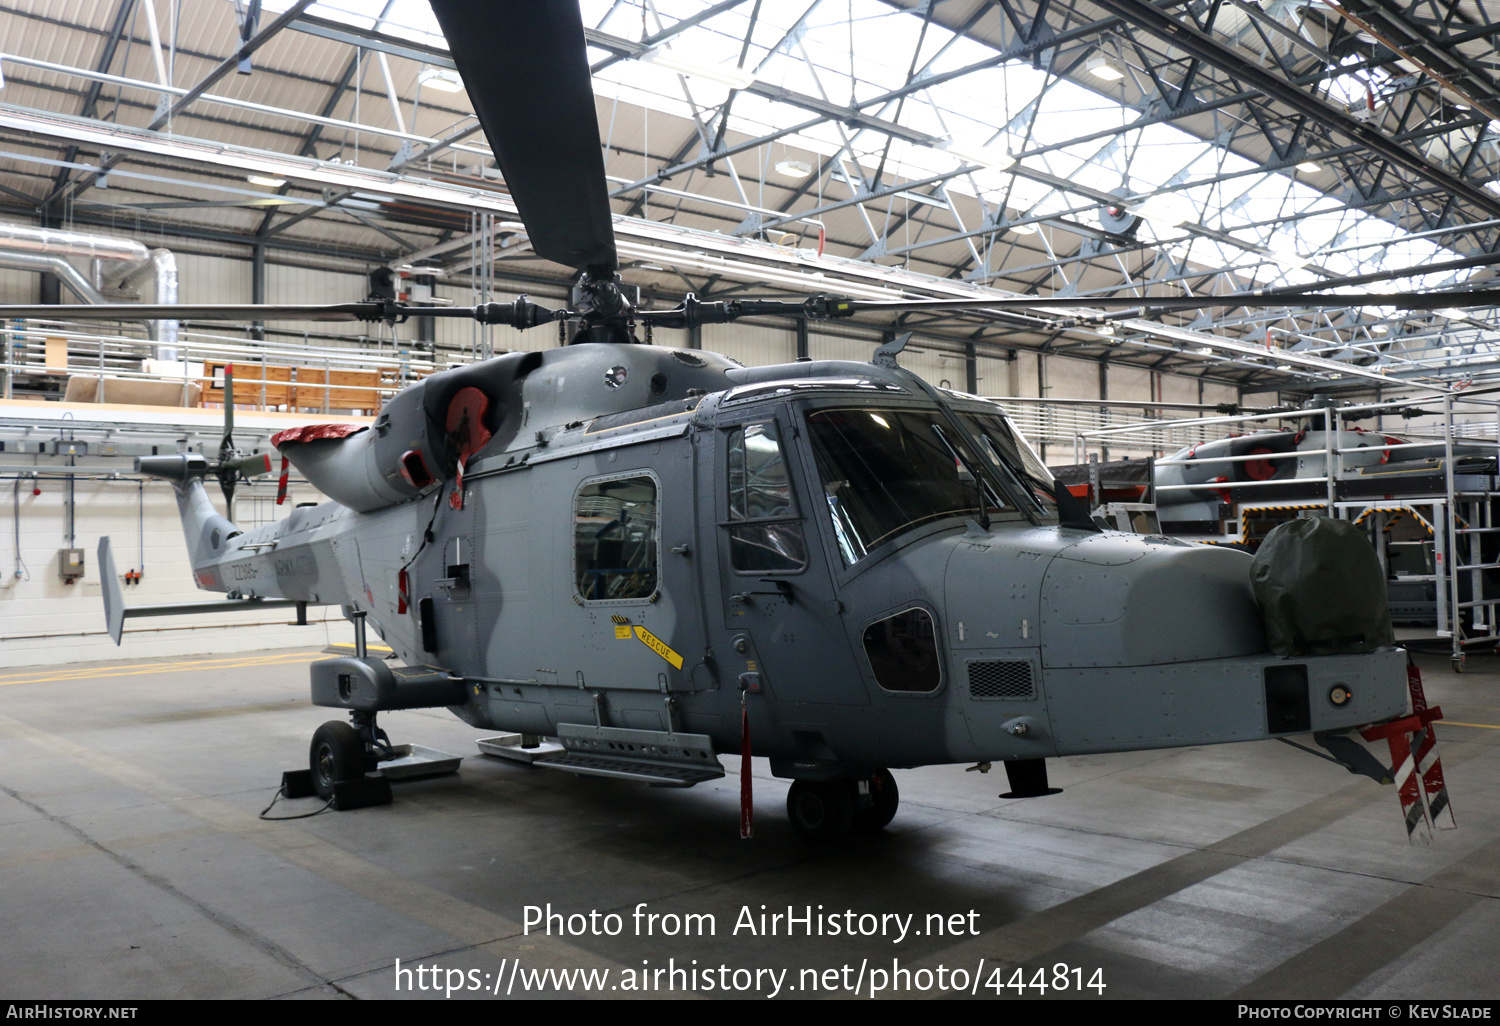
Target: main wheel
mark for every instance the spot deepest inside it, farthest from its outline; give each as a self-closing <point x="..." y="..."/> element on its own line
<point x="337" y="754"/>
<point x="821" y="811"/>
<point x="884" y="797"/>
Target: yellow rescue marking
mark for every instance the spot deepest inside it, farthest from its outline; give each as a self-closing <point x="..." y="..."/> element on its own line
<point x="659" y="646"/>
<point x="622" y="633"/>
<point x="1456" y="723"/>
<point x="90" y="673"/>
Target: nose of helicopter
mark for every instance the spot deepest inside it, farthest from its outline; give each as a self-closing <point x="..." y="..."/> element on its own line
<point x="1125" y="600"/>
<point x="1128" y="642"/>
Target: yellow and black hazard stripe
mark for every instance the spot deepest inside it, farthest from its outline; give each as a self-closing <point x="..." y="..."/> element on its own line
<point x="1400" y="511"/>
<point x="1266" y="513"/>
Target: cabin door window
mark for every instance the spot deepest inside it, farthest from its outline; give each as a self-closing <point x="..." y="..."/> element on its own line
<point x="615" y="540"/>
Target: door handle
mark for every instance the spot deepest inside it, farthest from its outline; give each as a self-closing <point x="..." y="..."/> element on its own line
<point x="783" y="589"/>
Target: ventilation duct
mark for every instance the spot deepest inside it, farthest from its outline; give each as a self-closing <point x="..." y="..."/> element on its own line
<point x="41" y="249"/>
<point x="71" y="278"/>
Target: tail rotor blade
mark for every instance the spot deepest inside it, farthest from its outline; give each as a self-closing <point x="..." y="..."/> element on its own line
<point x="226" y="445"/>
<point x="248" y="466"/>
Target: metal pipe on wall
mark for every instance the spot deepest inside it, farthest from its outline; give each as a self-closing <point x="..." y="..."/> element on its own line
<point x="66" y="273"/>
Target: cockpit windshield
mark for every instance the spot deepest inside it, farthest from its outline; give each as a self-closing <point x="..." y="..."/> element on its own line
<point x="886" y="470"/>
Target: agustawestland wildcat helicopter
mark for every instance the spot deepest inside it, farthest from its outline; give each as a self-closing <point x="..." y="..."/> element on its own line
<point x="657" y="555"/>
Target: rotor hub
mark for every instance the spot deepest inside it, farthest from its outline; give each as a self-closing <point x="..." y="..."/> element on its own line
<point x="607" y="306"/>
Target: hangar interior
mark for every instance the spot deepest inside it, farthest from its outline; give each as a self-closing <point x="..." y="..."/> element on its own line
<point x="274" y="152"/>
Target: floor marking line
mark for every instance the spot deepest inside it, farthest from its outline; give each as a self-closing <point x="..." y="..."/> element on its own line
<point x="176" y="663"/>
<point x="61" y="676"/>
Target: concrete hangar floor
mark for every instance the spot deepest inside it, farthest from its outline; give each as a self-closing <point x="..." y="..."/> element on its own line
<point x="133" y="865"/>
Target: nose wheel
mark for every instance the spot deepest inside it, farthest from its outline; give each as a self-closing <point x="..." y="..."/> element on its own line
<point x="827" y="810"/>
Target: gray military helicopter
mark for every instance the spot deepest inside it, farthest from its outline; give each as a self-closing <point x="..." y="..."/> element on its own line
<point x="658" y="555"/>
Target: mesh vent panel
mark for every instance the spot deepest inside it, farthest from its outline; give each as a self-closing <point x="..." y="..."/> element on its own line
<point x="1000" y="680"/>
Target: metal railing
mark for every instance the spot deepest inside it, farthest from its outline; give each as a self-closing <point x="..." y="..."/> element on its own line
<point x="118" y="356"/>
<point x="1062" y="425"/>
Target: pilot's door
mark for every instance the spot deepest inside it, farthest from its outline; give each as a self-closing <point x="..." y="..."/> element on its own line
<point x="780" y="606"/>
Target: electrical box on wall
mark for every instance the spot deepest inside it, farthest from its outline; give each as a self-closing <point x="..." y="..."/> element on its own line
<point x="69" y="565"/>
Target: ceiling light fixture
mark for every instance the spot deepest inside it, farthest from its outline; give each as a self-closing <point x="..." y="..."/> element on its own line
<point x="1105" y="67"/>
<point x="1309" y="166"/>
<point x="793" y="168"/>
<point x="266" y="180"/>
<point x="444" y="80"/>
<point x="735" y="78"/>
<point x="1023" y="229"/>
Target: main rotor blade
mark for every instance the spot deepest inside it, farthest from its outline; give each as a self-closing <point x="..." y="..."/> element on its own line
<point x="204" y="312"/>
<point x="522" y="313"/>
<point x="525" y="66"/>
<point x="1455" y="299"/>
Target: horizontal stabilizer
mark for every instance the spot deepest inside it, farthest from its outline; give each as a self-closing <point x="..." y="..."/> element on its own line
<point x="116" y="612"/>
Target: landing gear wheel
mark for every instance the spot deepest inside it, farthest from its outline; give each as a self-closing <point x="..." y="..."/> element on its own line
<point x="337" y="754"/>
<point x="821" y="811"/>
<point x="884" y="797"/>
<point x="1458" y="664"/>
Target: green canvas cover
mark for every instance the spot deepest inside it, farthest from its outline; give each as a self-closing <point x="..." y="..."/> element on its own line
<point x="1320" y="589"/>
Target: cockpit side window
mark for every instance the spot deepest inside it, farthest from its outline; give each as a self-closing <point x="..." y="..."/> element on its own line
<point x="765" y="535"/>
<point x="615" y="539"/>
